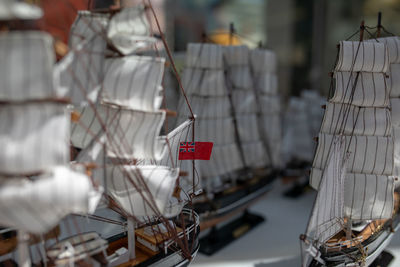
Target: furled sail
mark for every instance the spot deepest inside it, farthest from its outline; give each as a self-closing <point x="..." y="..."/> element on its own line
<point x="240" y="84"/>
<point x="204" y="82"/>
<point x="364" y="121"/>
<point x="263" y="66"/>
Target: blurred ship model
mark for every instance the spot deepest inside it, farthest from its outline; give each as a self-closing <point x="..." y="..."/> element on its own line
<point x="116" y="96"/>
<point x="221" y="83"/>
<point x="355" y="212"/>
<point x="301" y="123"/>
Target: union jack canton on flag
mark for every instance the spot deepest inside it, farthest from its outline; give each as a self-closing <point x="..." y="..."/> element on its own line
<point x="186" y="147"/>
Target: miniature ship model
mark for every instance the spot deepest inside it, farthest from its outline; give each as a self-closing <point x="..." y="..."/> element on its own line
<point x="356" y="210"/>
<point x="115" y="129"/>
<point x="220" y="85"/>
<point x="38" y="187"/>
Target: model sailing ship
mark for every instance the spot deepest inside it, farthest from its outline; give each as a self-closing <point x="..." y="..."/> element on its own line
<point x="222" y="84"/>
<point x="114" y="135"/>
<point x="355" y="212"/>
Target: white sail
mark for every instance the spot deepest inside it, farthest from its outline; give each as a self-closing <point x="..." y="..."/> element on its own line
<point x="362" y="56"/>
<point x="208" y="107"/>
<point x="204" y="56"/>
<point x="393" y="45"/>
<point x="33" y="137"/>
<point x="204" y="82"/>
<point x="244" y="102"/>
<point x="239" y="81"/>
<point x="27" y="60"/>
<point x="368" y="155"/>
<point x="394" y="80"/>
<point x="129" y="30"/>
<point x="354" y="120"/>
<point x="143" y="190"/>
<point x="263" y="66"/>
<point x="189" y="182"/>
<point x="130" y="133"/>
<point x="297" y="140"/>
<point x="368" y="197"/>
<point x="134" y="81"/>
<point x="88" y="26"/>
<point x="80" y="73"/>
<point x="225" y="159"/>
<point x="37" y="205"/>
<point x="328" y="211"/>
<point x="263" y="61"/>
<point x="366" y="89"/>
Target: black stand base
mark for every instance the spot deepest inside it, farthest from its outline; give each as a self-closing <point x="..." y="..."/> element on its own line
<point x="220" y="238"/>
<point x="297" y="190"/>
<point x="383" y="260"/>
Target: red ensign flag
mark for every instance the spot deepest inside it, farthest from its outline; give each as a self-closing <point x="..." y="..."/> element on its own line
<point x="195" y="150"/>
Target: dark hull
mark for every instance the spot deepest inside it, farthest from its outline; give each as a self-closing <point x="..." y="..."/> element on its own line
<point x="226" y="204"/>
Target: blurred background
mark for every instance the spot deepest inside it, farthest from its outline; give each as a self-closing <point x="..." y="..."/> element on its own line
<point x="304" y="33"/>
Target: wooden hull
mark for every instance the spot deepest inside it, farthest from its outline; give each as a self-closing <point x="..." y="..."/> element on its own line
<point x="375" y="244"/>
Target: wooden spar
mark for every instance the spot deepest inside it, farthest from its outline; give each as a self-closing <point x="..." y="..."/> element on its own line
<point x="231" y="33"/>
<point x="362" y="27"/>
<point x="378" y="33"/>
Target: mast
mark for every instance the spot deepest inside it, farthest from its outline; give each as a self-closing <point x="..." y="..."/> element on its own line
<point x="244" y="106"/>
<point x="356" y="129"/>
<point x="204" y="81"/>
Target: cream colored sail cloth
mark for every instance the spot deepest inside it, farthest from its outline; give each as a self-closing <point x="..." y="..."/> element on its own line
<point x="362" y="56"/>
<point x="37" y="205"/>
<point x="239" y="81"/>
<point x="366" y="89"/>
<point x="26" y="67"/>
<point x="130" y="133"/>
<point x="297" y="140"/>
<point x="328" y="211"/>
<point x="130" y="30"/>
<point x="143" y="190"/>
<point x="368" y="154"/>
<point x="33" y="137"/>
<point x="263" y="66"/>
<point x="350" y="119"/>
<point x="204" y="83"/>
<point x="134" y="81"/>
<point x="81" y="70"/>
<point x="190" y="182"/>
<point x="131" y="88"/>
